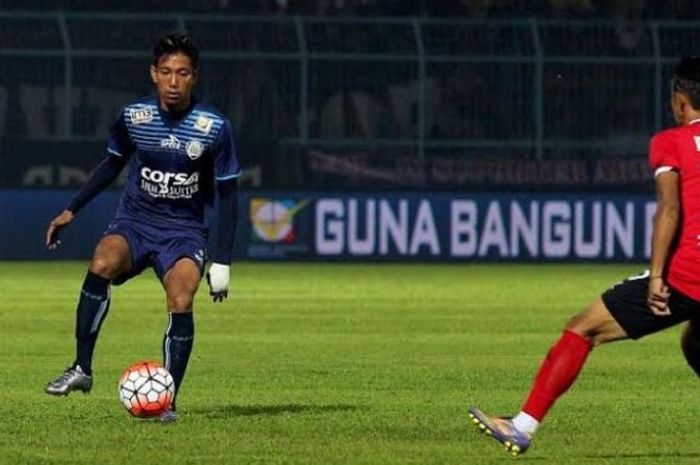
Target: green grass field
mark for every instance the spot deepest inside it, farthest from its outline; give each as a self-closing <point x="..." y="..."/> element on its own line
<point x="341" y="364"/>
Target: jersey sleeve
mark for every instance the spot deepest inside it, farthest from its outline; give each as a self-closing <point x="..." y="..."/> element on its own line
<point x="119" y="142"/>
<point x="226" y="164"/>
<point x="663" y="154"/>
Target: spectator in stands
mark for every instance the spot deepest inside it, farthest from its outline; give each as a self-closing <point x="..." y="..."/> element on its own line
<point x="627" y="17"/>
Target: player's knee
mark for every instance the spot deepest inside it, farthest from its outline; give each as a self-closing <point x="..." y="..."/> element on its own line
<point x="582" y="326"/>
<point x="596" y="324"/>
<point x="104" y="267"/>
<point x="180" y="302"/>
<point x="588" y="328"/>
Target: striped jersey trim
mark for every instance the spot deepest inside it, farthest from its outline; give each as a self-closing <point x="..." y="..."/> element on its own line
<point x="230" y="176"/>
<point x="663" y="169"/>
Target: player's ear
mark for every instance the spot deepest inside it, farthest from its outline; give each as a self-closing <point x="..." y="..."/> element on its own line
<point x="683" y="103"/>
<point x="195" y="75"/>
<point x="153" y="75"/>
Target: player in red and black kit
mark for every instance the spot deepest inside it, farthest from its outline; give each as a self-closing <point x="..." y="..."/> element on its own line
<point x="665" y="295"/>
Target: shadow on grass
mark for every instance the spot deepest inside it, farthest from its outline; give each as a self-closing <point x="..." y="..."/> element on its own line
<point x="650" y="455"/>
<point x="227" y="411"/>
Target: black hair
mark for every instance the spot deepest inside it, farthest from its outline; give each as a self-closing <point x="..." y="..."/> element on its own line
<point x="686" y="79"/>
<point x="174" y="43"/>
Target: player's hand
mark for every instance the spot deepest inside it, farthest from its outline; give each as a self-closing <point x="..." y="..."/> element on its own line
<point x="657" y="297"/>
<point x="58" y="223"/>
<point x="218" y="277"/>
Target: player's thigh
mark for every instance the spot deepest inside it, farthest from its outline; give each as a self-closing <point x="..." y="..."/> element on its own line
<point x="626" y="301"/>
<point x="597" y="324"/>
<point x="181" y="282"/>
<point x="112" y="256"/>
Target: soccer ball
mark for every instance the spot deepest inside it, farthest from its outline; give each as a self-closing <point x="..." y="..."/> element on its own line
<point x="146" y="389"/>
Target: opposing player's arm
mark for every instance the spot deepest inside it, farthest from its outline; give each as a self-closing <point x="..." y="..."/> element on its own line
<point x="666" y="222"/>
<point x="664" y="158"/>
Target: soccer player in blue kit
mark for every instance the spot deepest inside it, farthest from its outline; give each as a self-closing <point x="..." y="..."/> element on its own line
<point x="180" y="155"/>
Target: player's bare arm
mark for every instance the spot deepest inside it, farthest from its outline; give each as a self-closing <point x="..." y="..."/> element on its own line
<point x="665" y="229"/>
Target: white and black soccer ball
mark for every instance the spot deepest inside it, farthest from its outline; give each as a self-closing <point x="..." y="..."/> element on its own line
<point x="146" y="389"/>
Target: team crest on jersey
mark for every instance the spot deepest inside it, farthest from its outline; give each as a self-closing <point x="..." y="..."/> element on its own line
<point x="697" y="143"/>
<point x="203" y="124"/>
<point x="141" y="115"/>
<point x="194" y="149"/>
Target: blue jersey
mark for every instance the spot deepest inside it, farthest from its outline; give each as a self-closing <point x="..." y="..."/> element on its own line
<point x="174" y="162"/>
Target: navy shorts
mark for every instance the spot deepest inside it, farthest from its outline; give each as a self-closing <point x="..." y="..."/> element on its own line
<point x="155" y="247"/>
<point x="627" y="303"/>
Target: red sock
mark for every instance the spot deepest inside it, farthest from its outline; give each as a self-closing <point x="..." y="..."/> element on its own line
<point x="557" y="373"/>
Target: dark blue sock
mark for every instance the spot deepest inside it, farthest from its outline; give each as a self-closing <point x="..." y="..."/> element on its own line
<point x="92" y="310"/>
<point x="177" y="346"/>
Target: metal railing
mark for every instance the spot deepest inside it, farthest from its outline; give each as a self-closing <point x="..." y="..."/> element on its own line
<point x="413" y="85"/>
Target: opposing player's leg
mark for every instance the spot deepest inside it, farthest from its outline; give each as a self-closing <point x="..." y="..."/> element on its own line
<point x="558" y="371"/>
<point x="620" y="313"/>
<point x="690" y="344"/>
<point x="181" y="282"/>
<point x="111" y="259"/>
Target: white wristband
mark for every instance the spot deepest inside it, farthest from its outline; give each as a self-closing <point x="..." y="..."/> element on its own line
<point x="219" y="277"/>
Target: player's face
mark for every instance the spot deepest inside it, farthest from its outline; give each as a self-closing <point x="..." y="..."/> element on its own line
<point x="174" y="77"/>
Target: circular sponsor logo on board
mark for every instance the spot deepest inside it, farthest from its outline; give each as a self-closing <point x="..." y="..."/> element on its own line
<point x="272" y="220"/>
<point x="194" y="149"/>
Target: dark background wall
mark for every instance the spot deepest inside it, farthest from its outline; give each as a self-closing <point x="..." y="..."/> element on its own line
<point x="461" y="97"/>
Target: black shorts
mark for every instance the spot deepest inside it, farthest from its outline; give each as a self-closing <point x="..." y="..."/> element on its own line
<point x="627" y="302"/>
